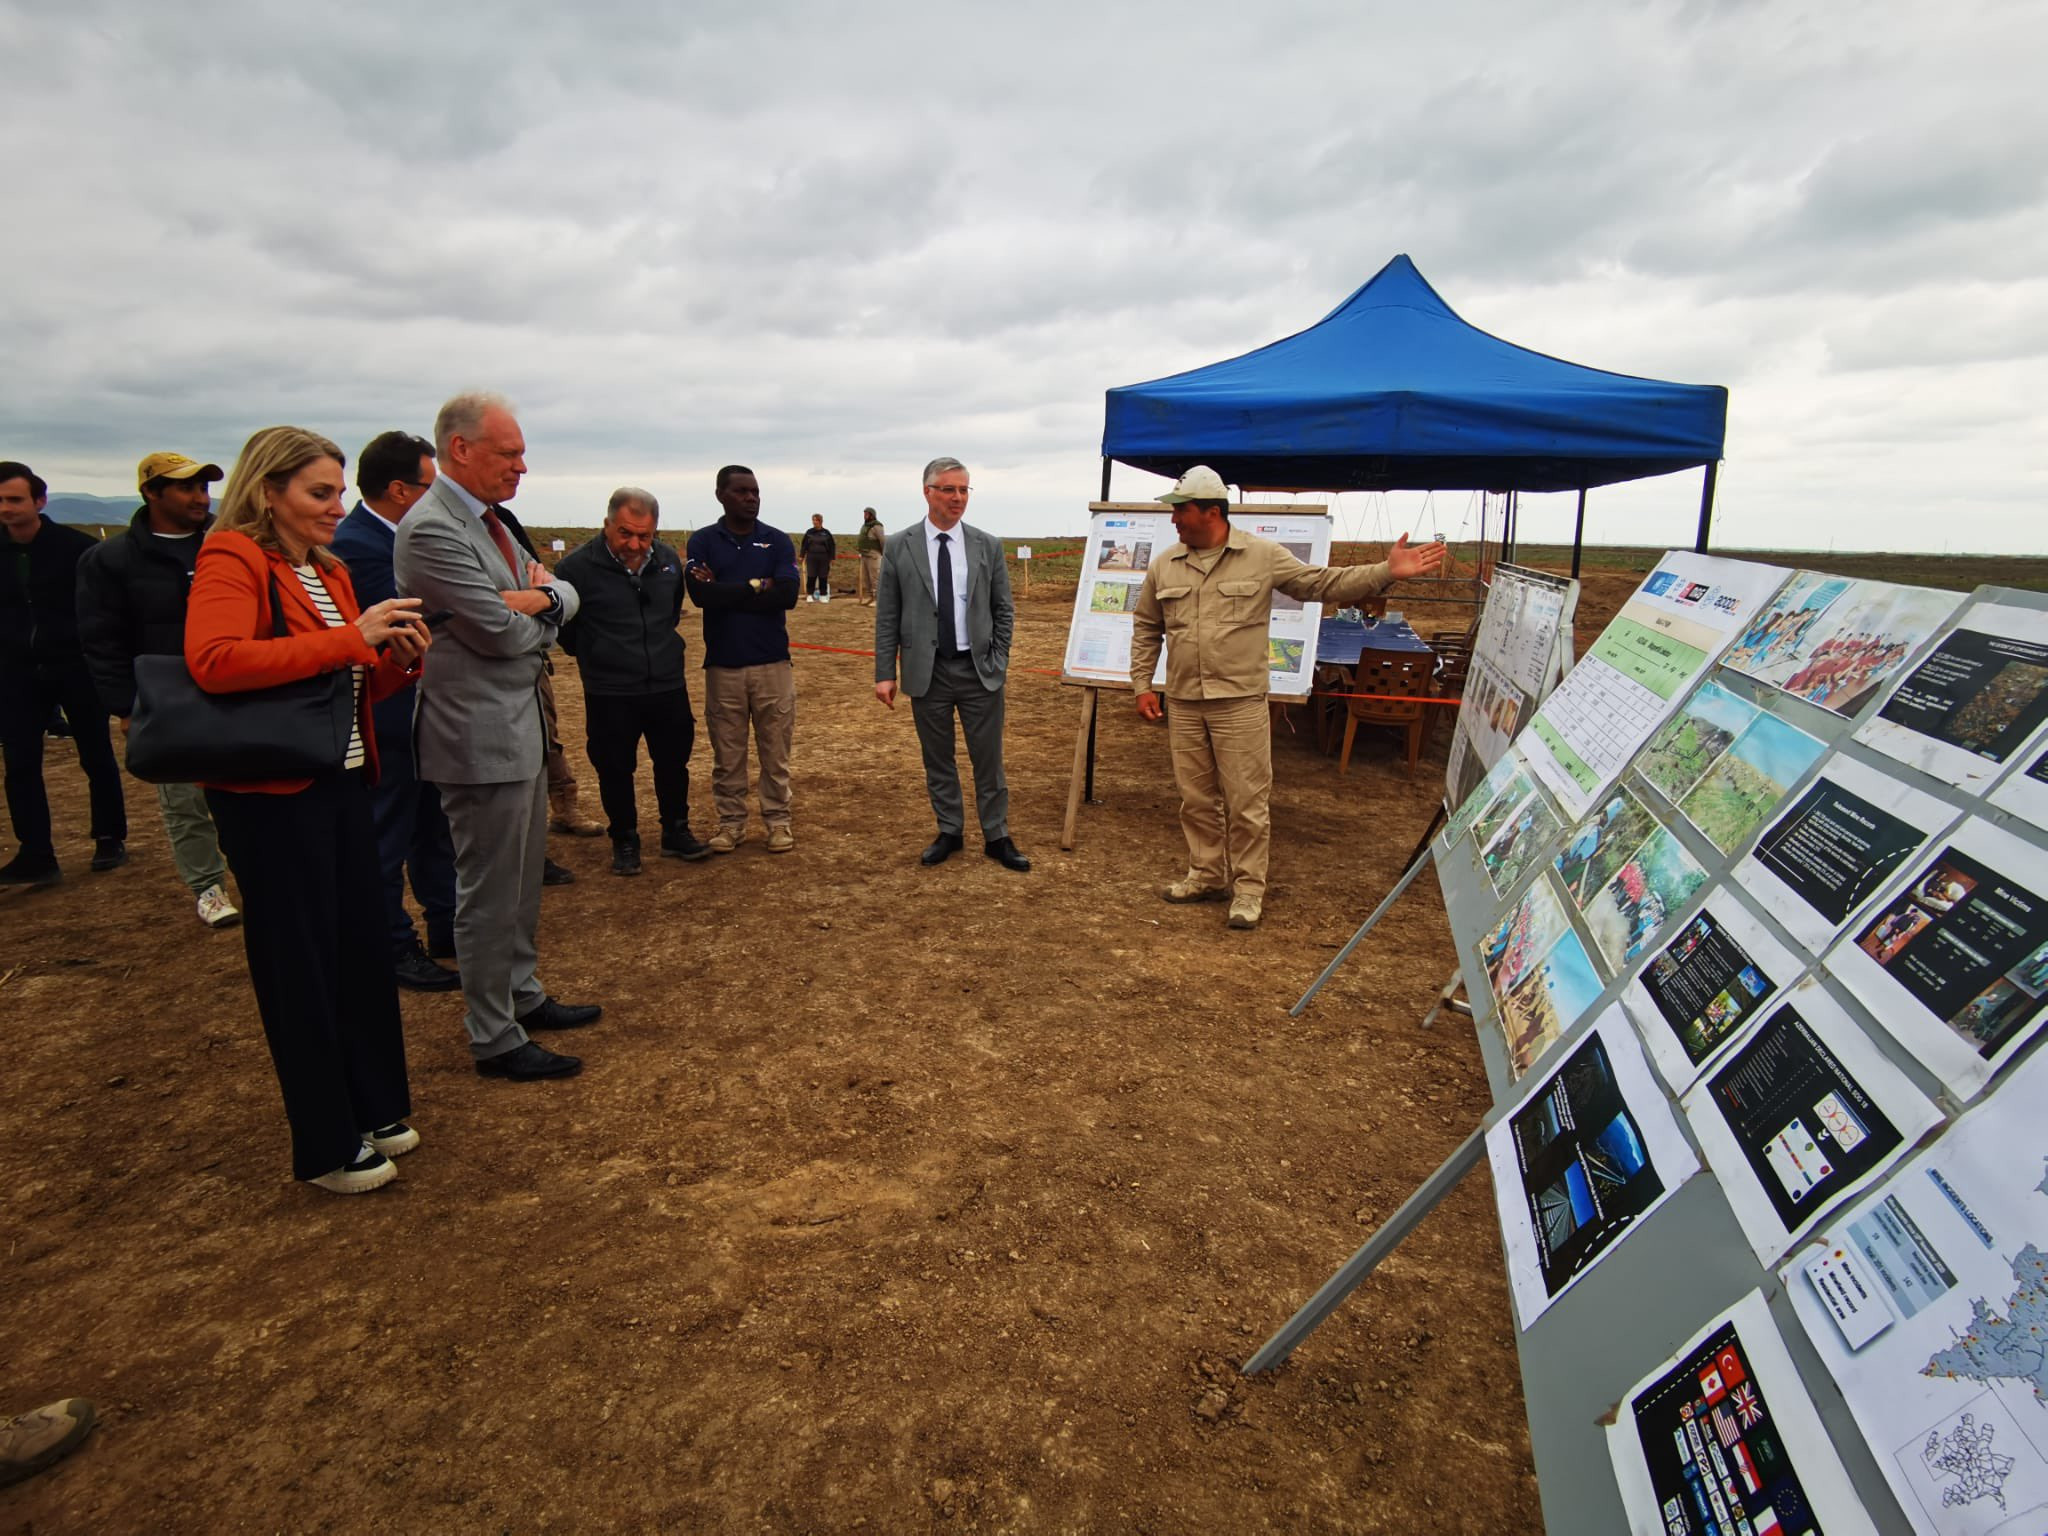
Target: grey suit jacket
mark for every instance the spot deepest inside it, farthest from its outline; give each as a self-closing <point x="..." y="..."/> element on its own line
<point x="907" y="610"/>
<point x="478" y="719"/>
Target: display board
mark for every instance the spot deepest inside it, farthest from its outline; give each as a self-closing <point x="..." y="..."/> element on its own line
<point x="1122" y="539"/>
<point x="1828" y="935"/>
<point x="1521" y="650"/>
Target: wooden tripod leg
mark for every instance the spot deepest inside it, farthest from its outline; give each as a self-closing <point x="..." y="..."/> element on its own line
<point x="1088" y="703"/>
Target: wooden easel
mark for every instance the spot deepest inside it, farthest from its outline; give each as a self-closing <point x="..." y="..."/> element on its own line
<point x="1081" y="787"/>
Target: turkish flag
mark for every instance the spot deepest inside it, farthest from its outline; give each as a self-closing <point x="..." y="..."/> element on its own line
<point x="1729" y="1364"/>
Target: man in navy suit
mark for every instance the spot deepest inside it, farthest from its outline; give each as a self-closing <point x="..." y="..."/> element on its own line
<point x="393" y="473"/>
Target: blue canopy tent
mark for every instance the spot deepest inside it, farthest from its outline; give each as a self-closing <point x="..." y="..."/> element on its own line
<point x="1393" y="391"/>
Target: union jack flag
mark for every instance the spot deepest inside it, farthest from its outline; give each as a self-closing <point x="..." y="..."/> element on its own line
<point x="1744" y="1401"/>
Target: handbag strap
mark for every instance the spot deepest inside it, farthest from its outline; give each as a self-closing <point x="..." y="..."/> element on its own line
<point x="277" y="624"/>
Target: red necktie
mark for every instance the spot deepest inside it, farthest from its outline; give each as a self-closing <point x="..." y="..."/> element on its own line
<point x="503" y="540"/>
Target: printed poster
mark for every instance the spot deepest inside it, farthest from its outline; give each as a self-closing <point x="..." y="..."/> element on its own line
<point x="1801" y="1111"/>
<point x="1524" y="837"/>
<point x="1928" y="1304"/>
<point x="1507" y="777"/>
<point x="1516" y="660"/>
<point x="1966" y="711"/>
<point x="1641" y="667"/>
<point x="1723" y="1439"/>
<point x="1834" y="641"/>
<point x="1579" y="1161"/>
<point x="1726" y="764"/>
<point x="1524" y="936"/>
<point x="1628" y="876"/>
<point x="1837" y="845"/>
<point x="1547" y="1002"/>
<point x="1703" y="988"/>
<point x="1954" y="960"/>
<point x="2024" y="791"/>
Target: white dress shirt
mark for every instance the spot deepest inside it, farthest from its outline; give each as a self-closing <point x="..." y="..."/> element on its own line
<point x="956" y="549"/>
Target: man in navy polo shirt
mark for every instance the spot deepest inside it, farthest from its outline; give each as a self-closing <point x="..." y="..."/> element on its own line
<point x="743" y="576"/>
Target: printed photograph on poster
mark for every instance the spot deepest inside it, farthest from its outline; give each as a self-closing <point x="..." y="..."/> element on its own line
<point x="1954" y="961"/>
<point x="1802" y="1110"/>
<point x="1723" y="1438"/>
<point x="1580" y="1160"/>
<point x="2024" y="790"/>
<point x="1639" y="670"/>
<point x="1927" y="1303"/>
<point x="1113" y="596"/>
<point x="1967" y="709"/>
<point x="1834" y="642"/>
<point x="1123" y="554"/>
<point x="1508" y="799"/>
<point x="1524" y="840"/>
<point x="1531" y="926"/>
<point x="1743" y="788"/>
<point x="1547" y="1003"/>
<point x="1836" y="846"/>
<point x="1705" y="726"/>
<point x="1505" y="780"/>
<point x="1696" y="993"/>
<point x="1645" y="895"/>
<point x="1285" y="655"/>
<point x="1601" y="844"/>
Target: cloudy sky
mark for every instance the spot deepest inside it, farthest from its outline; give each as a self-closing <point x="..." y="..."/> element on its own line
<point x="832" y="241"/>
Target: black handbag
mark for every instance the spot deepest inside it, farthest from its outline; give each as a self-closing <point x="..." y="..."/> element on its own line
<point x="181" y="734"/>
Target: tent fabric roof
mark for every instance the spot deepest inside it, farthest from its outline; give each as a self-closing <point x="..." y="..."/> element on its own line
<point x="1393" y="391"/>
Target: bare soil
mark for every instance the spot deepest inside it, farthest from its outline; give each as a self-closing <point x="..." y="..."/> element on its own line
<point x="889" y="1197"/>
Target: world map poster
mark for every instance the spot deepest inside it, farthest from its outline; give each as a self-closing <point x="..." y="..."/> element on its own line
<point x="1928" y="1303"/>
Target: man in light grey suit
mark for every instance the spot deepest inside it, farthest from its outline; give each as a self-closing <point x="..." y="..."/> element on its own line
<point x="942" y="604"/>
<point x="477" y="729"/>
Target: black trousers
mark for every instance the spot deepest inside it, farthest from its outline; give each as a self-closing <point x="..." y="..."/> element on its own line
<point x="613" y="727"/>
<point x="412" y="834"/>
<point x="817" y="573"/>
<point x="319" y="961"/>
<point x="27" y="695"/>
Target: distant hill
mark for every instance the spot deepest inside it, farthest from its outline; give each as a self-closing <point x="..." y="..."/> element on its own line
<point x="77" y="507"/>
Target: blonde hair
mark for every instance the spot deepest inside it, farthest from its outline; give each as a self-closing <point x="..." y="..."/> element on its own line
<point x="268" y="461"/>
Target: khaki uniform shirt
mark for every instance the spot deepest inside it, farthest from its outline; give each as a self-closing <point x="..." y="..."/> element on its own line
<point x="1212" y="607"/>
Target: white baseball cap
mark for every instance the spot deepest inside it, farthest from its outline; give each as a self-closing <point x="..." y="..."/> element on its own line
<point x="1199" y="484"/>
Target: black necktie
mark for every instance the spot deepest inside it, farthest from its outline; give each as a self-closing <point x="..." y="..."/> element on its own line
<point x="949" y="637"/>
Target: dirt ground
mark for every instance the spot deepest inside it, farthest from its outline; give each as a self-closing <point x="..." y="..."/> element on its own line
<point x="889" y="1197"/>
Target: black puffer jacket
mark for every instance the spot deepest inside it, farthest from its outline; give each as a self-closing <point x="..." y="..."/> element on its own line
<point x="132" y="591"/>
<point x="38" y="597"/>
<point x="624" y="634"/>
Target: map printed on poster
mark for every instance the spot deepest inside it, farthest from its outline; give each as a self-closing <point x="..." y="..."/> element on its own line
<point x="1834" y="641"/>
<point x="1954" y="960"/>
<point x="1964" y="712"/>
<point x="2024" y="791"/>
<point x="1582" y="1158"/>
<point x="1928" y="1304"/>
<point x="1643" y="664"/>
<point x="1722" y="1439"/>
<point x="1801" y="1111"/>
<point x="1699" y="991"/>
<point x="1836" y="847"/>
<point x="1726" y="764"/>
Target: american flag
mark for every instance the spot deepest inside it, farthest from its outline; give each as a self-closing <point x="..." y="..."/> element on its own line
<point x="1747" y="1408"/>
<point x="1724" y="1426"/>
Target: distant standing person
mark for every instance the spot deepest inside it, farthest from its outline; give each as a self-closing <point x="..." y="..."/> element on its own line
<point x="1211" y="595"/>
<point x="942" y="607"/>
<point x="631" y="660"/>
<point x="870" y="545"/>
<point x="743" y="575"/>
<point x="819" y="551"/>
<point x="394" y="472"/>
<point x="43" y="668"/>
<point x="132" y="592"/>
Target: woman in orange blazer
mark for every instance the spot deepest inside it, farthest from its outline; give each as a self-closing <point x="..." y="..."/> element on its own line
<point x="304" y="851"/>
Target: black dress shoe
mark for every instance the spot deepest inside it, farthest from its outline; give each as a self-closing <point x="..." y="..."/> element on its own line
<point x="942" y="848"/>
<point x="529" y="1063"/>
<point x="626" y="856"/>
<point x="23" y="870"/>
<point x="681" y="844"/>
<point x="552" y="873"/>
<point x="108" y="853"/>
<point x="1005" y="853"/>
<point x="411" y="968"/>
<point x="553" y="1015"/>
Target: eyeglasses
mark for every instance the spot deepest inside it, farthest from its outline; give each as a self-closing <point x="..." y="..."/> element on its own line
<point x="950" y="490"/>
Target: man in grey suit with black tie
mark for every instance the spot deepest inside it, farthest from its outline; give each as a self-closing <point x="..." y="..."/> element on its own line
<point x="942" y="605"/>
<point x="477" y="731"/>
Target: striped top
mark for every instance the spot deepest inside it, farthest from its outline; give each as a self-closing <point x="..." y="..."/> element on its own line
<point x="316" y="589"/>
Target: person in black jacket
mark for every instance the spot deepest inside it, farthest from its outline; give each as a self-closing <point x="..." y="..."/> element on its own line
<point x="131" y="602"/>
<point x="41" y="668"/>
<point x="631" y="660"/>
<point x="819" y="549"/>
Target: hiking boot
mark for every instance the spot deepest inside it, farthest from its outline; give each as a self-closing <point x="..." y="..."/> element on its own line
<point x="625" y="855"/>
<point x="23" y="870"/>
<point x="564" y="817"/>
<point x="215" y="910"/>
<point x="29" y="1442"/>
<point x="680" y="843"/>
<point x="552" y="873"/>
<point x="725" y="839"/>
<point x="108" y="853"/>
<point x="1245" y="912"/>
<point x="1191" y="889"/>
<point x="780" y="838"/>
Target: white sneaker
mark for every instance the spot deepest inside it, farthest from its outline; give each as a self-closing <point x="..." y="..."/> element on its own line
<point x="370" y="1169"/>
<point x="824" y="597"/>
<point x="215" y="910"/>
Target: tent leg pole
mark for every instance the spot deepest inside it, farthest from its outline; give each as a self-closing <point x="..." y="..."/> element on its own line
<point x="1579" y="533"/>
<point x="1699" y="544"/>
<point x="1105" y="479"/>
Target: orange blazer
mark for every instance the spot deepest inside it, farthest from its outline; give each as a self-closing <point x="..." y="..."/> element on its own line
<point x="230" y="647"/>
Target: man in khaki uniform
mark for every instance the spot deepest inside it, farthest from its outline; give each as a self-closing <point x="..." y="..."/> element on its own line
<point x="870" y="546"/>
<point x="1211" y="596"/>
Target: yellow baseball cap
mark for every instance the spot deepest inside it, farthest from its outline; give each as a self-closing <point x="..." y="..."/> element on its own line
<point x="174" y="466"/>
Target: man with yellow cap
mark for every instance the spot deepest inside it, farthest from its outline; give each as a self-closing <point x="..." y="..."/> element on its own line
<point x="131" y="602"/>
<point x="1211" y="595"/>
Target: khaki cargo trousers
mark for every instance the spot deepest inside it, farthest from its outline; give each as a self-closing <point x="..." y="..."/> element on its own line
<point x="1223" y="765"/>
